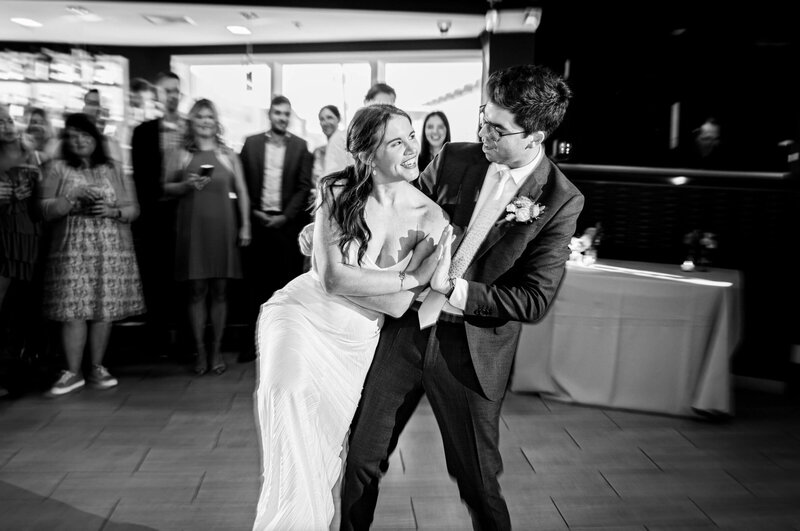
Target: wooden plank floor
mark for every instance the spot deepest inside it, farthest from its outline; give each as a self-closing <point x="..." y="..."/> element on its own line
<point x="168" y="451"/>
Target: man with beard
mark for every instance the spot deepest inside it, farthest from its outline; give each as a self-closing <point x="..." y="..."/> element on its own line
<point x="277" y="168"/>
<point x="151" y="144"/>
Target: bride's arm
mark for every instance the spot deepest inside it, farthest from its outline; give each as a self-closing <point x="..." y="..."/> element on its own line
<point x="396" y="304"/>
<point x="347" y="279"/>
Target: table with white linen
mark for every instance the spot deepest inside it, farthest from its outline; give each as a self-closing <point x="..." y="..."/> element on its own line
<point x="635" y="335"/>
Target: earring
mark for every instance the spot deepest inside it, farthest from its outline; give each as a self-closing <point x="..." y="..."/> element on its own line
<point x="374" y="171"/>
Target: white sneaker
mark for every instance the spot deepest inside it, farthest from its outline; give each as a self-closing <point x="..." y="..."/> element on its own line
<point x="67" y="383"/>
<point x="101" y="378"/>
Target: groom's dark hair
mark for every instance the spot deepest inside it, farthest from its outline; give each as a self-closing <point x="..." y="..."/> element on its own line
<point x="534" y="94"/>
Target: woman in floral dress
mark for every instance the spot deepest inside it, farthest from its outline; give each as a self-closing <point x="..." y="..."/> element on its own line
<point x="91" y="278"/>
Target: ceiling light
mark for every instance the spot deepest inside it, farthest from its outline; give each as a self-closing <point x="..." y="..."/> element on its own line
<point x="168" y="20"/>
<point x="533" y="17"/>
<point x="239" y="30"/>
<point x="78" y="10"/>
<point x="84" y="14"/>
<point x="27" y="22"/>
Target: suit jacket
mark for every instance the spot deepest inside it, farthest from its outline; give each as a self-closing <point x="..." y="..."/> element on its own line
<point x="516" y="271"/>
<point x="296" y="183"/>
<point x="147" y="160"/>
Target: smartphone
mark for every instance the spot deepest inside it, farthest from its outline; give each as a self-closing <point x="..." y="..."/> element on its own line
<point x="206" y="169"/>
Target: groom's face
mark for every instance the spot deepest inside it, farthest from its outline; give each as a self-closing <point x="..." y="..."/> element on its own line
<point x="502" y="138"/>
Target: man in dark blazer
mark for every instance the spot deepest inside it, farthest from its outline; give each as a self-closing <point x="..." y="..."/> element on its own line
<point x="153" y="230"/>
<point x="277" y="168"/>
<point x="510" y="274"/>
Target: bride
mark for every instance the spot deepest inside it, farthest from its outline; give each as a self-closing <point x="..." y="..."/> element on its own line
<point x="374" y="251"/>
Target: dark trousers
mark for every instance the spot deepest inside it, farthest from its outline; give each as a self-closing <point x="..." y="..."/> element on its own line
<point x="154" y="242"/>
<point x="409" y="362"/>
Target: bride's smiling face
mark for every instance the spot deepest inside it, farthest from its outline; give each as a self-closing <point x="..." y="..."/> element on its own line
<point x="396" y="155"/>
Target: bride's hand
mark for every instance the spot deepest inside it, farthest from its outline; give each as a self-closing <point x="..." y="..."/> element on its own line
<point x="423" y="273"/>
<point x="440" y="280"/>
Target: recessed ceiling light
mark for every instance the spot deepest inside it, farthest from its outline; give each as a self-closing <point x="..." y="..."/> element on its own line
<point x="84" y="14"/>
<point x="78" y="10"/>
<point x="169" y="20"/>
<point x="239" y="30"/>
<point x="27" y="22"/>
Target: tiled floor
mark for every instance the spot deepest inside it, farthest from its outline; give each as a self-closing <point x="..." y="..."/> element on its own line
<point x="166" y="450"/>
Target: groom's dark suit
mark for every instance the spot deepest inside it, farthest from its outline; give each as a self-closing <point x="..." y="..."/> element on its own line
<point x="463" y="364"/>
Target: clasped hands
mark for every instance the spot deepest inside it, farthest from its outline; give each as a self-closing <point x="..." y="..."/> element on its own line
<point x="196" y="182"/>
<point x="8" y="191"/>
<point x="270" y="221"/>
<point x="434" y="269"/>
<point x="93" y="199"/>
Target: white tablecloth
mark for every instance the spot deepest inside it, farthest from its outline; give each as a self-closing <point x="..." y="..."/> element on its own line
<point x="635" y="335"/>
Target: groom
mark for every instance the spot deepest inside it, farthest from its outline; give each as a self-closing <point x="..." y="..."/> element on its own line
<point x="458" y="346"/>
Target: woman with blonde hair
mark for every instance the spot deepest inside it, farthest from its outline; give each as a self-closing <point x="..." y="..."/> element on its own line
<point x="203" y="174"/>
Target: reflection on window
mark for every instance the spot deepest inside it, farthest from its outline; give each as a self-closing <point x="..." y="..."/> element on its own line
<point x="312" y="86"/>
<point x="451" y="87"/>
<point x="241" y="94"/>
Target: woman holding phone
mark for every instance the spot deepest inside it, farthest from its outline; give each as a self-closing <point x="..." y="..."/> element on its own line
<point x="91" y="278"/>
<point x="205" y="175"/>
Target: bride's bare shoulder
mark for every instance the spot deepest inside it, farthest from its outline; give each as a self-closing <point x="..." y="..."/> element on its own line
<point x="433" y="218"/>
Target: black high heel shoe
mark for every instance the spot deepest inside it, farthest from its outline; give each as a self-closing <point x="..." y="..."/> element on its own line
<point x="200" y="364"/>
<point x="218" y="365"/>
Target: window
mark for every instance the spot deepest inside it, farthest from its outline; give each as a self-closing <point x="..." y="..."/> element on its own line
<point x="312" y="86"/>
<point x="240" y="92"/>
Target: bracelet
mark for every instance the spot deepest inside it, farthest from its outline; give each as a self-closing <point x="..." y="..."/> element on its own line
<point x="402" y="275"/>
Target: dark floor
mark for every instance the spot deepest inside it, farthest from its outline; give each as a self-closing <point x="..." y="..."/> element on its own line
<point x="166" y="450"/>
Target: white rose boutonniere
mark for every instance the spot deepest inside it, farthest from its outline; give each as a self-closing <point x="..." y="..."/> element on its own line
<point x="523" y="210"/>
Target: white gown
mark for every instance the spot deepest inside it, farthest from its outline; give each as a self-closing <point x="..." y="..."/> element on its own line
<point x="314" y="351"/>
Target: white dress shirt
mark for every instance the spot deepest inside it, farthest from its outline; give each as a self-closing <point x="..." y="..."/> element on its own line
<point x="457" y="301"/>
<point x="274" y="155"/>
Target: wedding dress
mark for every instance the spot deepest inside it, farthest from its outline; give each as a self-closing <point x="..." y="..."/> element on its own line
<point x="314" y="351"/>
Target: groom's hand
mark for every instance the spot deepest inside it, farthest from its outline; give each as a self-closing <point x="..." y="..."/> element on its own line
<point x="441" y="280"/>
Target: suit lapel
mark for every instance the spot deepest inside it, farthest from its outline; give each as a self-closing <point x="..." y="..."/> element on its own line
<point x="532" y="187"/>
<point x="261" y="151"/>
<point x="289" y="159"/>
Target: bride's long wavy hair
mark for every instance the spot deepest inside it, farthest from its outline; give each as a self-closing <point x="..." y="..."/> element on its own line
<point x="346" y="192"/>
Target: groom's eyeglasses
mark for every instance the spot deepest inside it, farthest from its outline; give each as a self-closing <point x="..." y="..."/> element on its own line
<point x="491" y="129"/>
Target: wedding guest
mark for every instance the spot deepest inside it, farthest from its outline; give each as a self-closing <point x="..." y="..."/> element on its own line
<point x="380" y="93"/>
<point x="336" y="156"/>
<point x="20" y="230"/>
<point x="91" y="277"/>
<point x="40" y="131"/>
<point x="153" y="232"/>
<point x="277" y="168"/>
<point x="707" y="149"/>
<point x="98" y="115"/>
<point x="203" y="174"/>
<point x="141" y="108"/>
<point x="435" y="134"/>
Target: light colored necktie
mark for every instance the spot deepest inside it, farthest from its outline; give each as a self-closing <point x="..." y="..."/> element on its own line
<point x="491" y="209"/>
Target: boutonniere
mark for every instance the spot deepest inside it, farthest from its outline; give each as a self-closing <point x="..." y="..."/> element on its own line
<point x="523" y="210"/>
